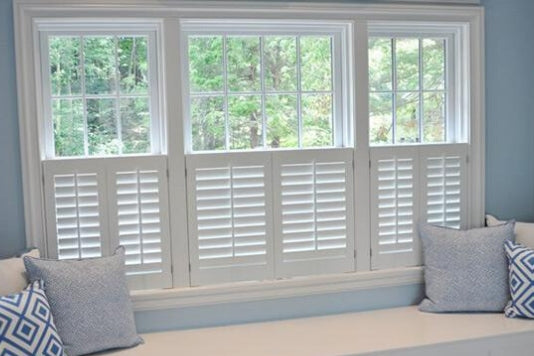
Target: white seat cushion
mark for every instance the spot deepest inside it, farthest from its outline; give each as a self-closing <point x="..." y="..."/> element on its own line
<point x="382" y="332"/>
<point x="13" y="274"/>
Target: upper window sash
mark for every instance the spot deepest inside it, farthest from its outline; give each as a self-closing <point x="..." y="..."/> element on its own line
<point x="149" y="30"/>
<point x="339" y="32"/>
<point x="456" y="84"/>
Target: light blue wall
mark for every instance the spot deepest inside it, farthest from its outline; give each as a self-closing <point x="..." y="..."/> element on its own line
<point x="510" y="108"/>
<point x="11" y="210"/>
<point x="509" y="172"/>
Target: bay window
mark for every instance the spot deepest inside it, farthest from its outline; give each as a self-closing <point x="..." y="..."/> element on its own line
<point x="222" y="146"/>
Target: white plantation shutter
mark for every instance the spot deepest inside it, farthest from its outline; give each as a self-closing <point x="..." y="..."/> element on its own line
<point x="313" y="212"/>
<point x="409" y="185"/>
<point x="140" y="220"/>
<point x="444" y="184"/>
<point x="230" y="218"/>
<point x="95" y="205"/>
<point x="75" y="212"/>
<point x="394" y="207"/>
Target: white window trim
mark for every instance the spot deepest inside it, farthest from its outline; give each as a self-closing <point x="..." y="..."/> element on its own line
<point x="27" y="11"/>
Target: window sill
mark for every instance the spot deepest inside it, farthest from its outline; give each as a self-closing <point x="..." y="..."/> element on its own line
<point x="147" y="300"/>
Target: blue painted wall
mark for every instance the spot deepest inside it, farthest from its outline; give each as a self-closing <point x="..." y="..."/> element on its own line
<point x="510" y="108"/>
<point x="11" y="207"/>
<point x="509" y="172"/>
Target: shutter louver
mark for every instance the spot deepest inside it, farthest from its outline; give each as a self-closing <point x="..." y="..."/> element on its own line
<point x="230" y="228"/>
<point x="445" y="185"/>
<point x="138" y="190"/>
<point x="314" y="233"/>
<point x="76" y="218"/>
<point x="394" y="181"/>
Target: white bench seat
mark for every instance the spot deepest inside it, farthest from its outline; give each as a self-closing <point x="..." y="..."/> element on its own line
<point x="398" y="331"/>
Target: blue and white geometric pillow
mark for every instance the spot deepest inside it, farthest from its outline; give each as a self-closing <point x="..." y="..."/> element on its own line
<point x="26" y="324"/>
<point x="521" y="278"/>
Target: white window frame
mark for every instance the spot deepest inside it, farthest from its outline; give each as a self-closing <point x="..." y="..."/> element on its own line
<point x="340" y="32"/>
<point x="27" y="15"/>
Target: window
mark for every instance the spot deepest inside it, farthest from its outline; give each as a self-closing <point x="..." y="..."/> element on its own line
<point x="248" y="144"/>
<point x="264" y="89"/>
<point x="408" y="89"/>
<point x="103" y="93"/>
<point x="418" y="168"/>
<point x="270" y="213"/>
<point x="102" y="112"/>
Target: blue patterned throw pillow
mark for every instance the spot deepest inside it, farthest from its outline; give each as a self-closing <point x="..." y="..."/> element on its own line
<point x="521" y="277"/>
<point x="26" y="324"/>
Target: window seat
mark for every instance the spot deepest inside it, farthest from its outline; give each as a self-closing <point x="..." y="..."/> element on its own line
<point x="397" y="331"/>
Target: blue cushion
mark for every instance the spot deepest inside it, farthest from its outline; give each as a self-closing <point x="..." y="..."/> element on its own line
<point x="26" y="324"/>
<point x="521" y="275"/>
<point x="90" y="301"/>
<point x="465" y="271"/>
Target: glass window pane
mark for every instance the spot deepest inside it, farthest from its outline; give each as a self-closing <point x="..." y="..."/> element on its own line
<point x="434" y="117"/>
<point x="407" y="56"/>
<point x="381" y="118"/>
<point x="380" y="64"/>
<point x="68" y="127"/>
<point x="135" y="125"/>
<point x="407" y="128"/>
<point x="282" y="121"/>
<point x="102" y="127"/>
<point x="317" y="120"/>
<point x="243" y="63"/>
<point x="208" y="126"/>
<point x="433" y="64"/>
<point x="245" y="120"/>
<point x="280" y="60"/>
<point x="100" y="66"/>
<point x="316" y="63"/>
<point x="133" y="64"/>
<point x="65" y="66"/>
<point x="206" y="64"/>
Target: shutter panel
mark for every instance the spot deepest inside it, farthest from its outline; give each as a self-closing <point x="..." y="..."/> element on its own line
<point x="230" y="217"/>
<point x="76" y="215"/>
<point x="140" y="222"/>
<point x="444" y="185"/>
<point x="394" y="207"/>
<point x="314" y="212"/>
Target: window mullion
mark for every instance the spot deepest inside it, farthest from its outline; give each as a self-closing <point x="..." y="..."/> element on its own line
<point x="263" y="96"/>
<point x="421" y="91"/>
<point x="394" y="89"/>
<point x="117" y="94"/>
<point x="225" y="97"/>
<point x="299" y="94"/>
<point x="84" y="99"/>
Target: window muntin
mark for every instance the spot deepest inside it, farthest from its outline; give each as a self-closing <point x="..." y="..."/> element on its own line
<point x="262" y="91"/>
<point x="409" y="91"/>
<point x="102" y="94"/>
